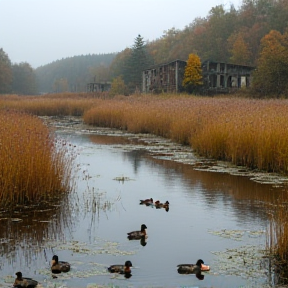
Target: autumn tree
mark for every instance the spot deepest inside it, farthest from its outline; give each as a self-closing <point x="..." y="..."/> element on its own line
<point x="5" y="72"/>
<point x="271" y="75"/>
<point x="24" y="79"/>
<point x="239" y="49"/>
<point x="193" y="74"/>
<point x="118" y="87"/>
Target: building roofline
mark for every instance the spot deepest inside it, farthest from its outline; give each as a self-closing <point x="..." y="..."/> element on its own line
<point x="164" y="64"/>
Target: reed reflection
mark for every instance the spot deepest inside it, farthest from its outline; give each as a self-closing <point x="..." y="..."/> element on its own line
<point x="251" y="196"/>
<point x="27" y="231"/>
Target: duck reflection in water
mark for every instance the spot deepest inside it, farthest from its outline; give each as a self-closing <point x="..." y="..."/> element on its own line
<point x="143" y="241"/>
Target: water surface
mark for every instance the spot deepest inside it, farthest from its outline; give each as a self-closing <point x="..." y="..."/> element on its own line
<point x="217" y="217"/>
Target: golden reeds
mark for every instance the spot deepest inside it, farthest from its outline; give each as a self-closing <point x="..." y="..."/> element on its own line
<point x="247" y="132"/>
<point x="34" y="168"/>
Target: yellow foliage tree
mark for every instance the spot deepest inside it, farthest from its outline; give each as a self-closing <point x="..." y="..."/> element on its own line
<point x="118" y="87"/>
<point x="193" y="74"/>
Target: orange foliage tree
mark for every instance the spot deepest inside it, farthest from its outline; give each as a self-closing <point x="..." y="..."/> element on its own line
<point x="271" y="75"/>
<point x="193" y="74"/>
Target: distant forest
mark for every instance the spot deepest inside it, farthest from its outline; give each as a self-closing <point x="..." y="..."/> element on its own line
<point x="71" y="74"/>
<point x="226" y="35"/>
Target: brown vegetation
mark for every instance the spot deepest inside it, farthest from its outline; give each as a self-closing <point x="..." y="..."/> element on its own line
<point x="247" y="132"/>
<point x="244" y="131"/>
<point x="34" y="167"/>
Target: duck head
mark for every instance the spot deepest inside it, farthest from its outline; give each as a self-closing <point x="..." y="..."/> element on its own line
<point x="143" y="227"/>
<point x="54" y="260"/>
<point x="19" y="275"/>
<point x="199" y="262"/>
<point x="127" y="265"/>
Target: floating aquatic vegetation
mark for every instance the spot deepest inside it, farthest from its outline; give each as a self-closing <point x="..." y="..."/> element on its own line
<point x="122" y="178"/>
<point x="236" y="235"/>
<point x="246" y="261"/>
<point x="98" y="247"/>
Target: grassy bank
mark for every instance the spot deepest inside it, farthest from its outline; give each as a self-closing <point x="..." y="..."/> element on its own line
<point x="246" y="132"/>
<point x="34" y="168"/>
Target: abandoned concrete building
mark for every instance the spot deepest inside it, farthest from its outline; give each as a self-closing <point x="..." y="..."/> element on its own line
<point x="164" y="78"/>
<point x="218" y="77"/>
<point x="225" y="76"/>
<point x="98" y="87"/>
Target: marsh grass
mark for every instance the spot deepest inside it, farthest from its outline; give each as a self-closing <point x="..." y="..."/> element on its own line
<point x="34" y="167"/>
<point x="49" y="105"/>
<point x="251" y="133"/>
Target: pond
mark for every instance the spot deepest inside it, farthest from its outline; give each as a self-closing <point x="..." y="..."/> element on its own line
<point x="214" y="216"/>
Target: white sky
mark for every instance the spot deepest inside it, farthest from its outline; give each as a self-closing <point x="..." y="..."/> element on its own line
<point x="42" y="31"/>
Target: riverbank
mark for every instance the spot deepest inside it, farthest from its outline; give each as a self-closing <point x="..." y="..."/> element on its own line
<point x="163" y="148"/>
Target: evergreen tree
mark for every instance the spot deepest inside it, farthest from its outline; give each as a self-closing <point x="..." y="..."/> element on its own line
<point x="24" y="79"/>
<point x="138" y="62"/>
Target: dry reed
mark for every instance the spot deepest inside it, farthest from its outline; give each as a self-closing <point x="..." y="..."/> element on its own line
<point x="247" y="132"/>
<point x="34" y="168"/>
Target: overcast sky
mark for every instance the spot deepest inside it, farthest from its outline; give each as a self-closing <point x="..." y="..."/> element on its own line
<point x="42" y="31"/>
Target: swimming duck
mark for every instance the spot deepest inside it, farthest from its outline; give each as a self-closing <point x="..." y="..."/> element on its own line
<point x="21" y="281"/>
<point x="158" y="204"/>
<point x="137" y="235"/>
<point x="193" y="268"/>
<point x="146" y="201"/>
<point x="121" y="269"/>
<point x="59" y="266"/>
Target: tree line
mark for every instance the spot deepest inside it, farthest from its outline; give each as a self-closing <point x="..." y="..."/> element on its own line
<point x="254" y="35"/>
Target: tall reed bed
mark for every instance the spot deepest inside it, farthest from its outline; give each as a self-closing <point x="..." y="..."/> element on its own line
<point x="50" y="104"/>
<point x="34" y="168"/>
<point x="252" y="133"/>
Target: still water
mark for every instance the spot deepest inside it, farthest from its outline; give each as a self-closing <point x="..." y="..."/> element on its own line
<point x="216" y="217"/>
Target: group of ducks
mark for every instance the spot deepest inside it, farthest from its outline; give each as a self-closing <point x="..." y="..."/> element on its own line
<point x="56" y="268"/>
<point x="125" y="269"/>
<point x="62" y="266"/>
<point x="157" y="204"/>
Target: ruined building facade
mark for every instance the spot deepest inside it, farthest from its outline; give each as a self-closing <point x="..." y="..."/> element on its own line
<point x="218" y="77"/>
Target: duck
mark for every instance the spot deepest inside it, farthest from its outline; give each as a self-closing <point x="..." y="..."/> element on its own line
<point x="137" y="235"/>
<point x="122" y="269"/>
<point x="165" y="205"/>
<point x="59" y="266"/>
<point x="21" y="281"/>
<point x="146" y="201"/>
<point x="193" y="268"/>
